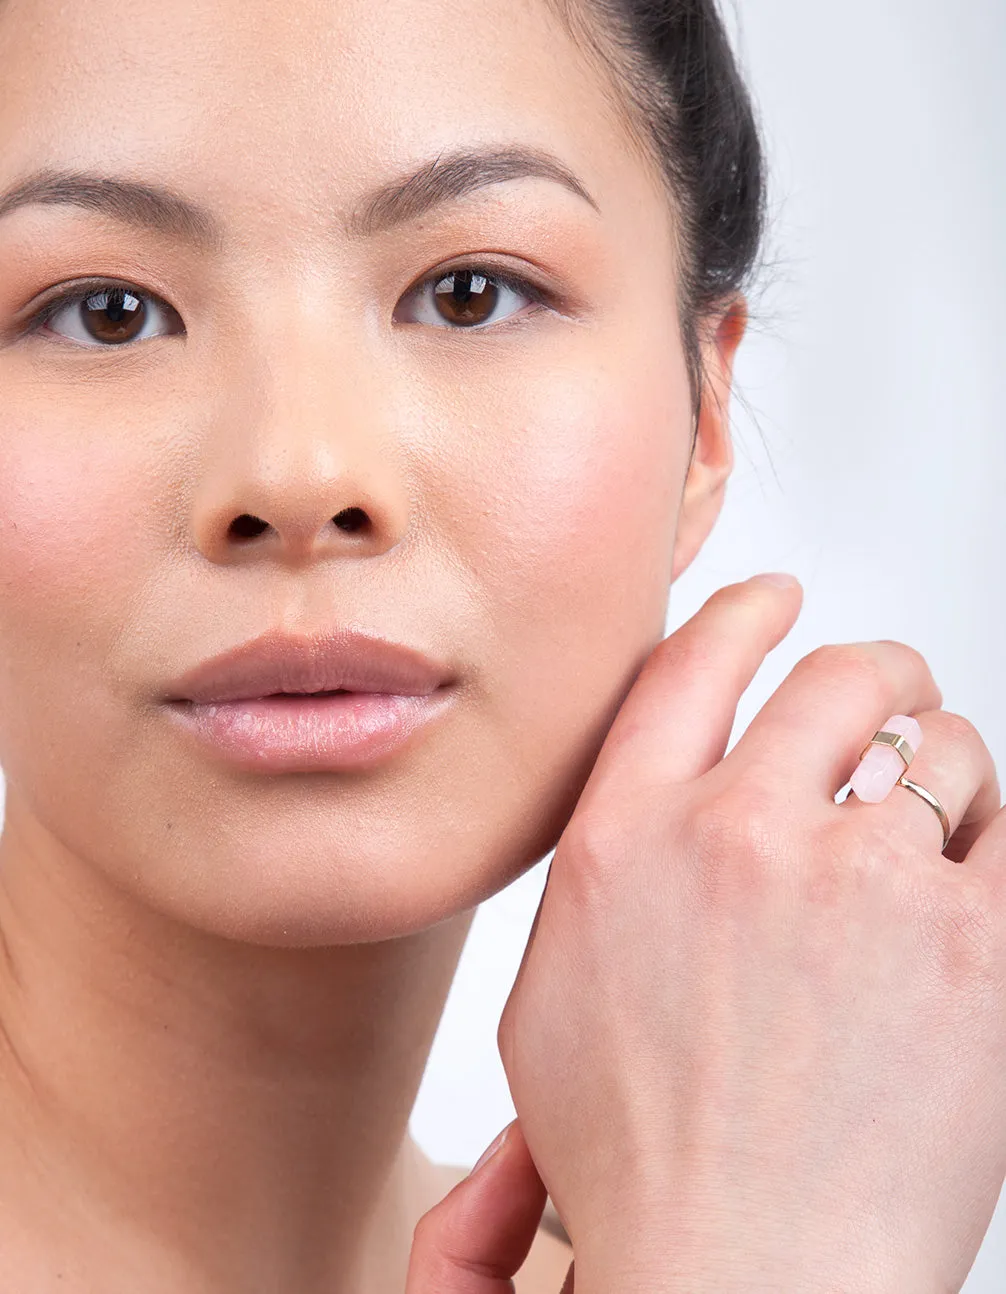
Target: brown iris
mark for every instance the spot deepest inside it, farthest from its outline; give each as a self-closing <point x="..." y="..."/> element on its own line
<point x="113" y="315"/>
<point x="466" y="297"/>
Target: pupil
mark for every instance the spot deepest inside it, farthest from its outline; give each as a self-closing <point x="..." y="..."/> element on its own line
<point x="466" y="297"/>
<point x="113" y="315"/>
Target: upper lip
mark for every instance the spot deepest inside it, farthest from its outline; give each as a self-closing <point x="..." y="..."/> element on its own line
<point x="278" y="662"/>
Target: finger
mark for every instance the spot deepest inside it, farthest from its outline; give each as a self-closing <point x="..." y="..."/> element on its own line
<point x="479" y="1235"/>
<point x="809" y="735"/>
<point x="676" y="719"/>
<point x="987" y="857"/>
<point x="954" y="763"/>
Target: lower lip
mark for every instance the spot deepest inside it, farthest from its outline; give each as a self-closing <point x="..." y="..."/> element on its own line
<point x="308" y="733"/>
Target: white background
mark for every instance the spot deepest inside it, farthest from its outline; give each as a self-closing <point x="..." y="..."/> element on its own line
<point x="873" y="465"/>
<point x="874" y="469"/>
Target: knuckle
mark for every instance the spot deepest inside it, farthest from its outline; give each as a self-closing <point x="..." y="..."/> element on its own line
<point x="435" y="1246"/>
<point x="738" y="840"/>
<point x="868" y="668"/>
<point x="964" y="936"/>
<point x="956" y="733"/>
<point x="594" y="847"/>
<point x="739" y="819"/>
<point x="426" y="1234"/>
<point x="905" y="650"/>
<point x="505" y="1036"/>
<point x="852" y="665"/>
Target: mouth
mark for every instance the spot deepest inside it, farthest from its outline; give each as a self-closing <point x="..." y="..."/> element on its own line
<point x="335" y="691"/>
<point x="338" y="701"/>
<point x="288" y="732"/>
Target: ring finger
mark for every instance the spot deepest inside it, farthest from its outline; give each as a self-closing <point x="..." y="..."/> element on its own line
<point x="808" y="735"/>
<point x="954" y="764"/>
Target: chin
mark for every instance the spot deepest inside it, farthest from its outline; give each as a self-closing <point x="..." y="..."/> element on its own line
<point x="302" y="869"/>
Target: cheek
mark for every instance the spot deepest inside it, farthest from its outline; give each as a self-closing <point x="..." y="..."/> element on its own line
<point x="597" y="479"/>
<point x="569" y="511"/>
<point x="69" y="572"/>
<point x="566" y="521"/>
<point x="69" y="506"/>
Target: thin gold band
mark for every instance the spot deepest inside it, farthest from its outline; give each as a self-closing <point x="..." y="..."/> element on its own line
<point x="933" y="802"/>
<point x="897" y="741"/>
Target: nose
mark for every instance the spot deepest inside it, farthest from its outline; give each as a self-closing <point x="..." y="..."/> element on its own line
<point x="301" y="464"/>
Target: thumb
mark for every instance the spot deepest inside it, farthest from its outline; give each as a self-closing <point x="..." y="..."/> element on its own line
<point x="478" y="1236"/>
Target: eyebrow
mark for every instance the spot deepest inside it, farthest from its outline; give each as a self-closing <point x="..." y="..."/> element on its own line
<point x="160" y="208"/>
<point x="454" y="175"/>
<point x="147" y="206"/>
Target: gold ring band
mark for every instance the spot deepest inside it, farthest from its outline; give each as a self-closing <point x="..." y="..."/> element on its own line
<point x="897" y="742"/>
<point x="933" y="803"/>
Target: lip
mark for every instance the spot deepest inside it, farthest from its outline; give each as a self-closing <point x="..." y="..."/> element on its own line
<point x="253" y="706"/>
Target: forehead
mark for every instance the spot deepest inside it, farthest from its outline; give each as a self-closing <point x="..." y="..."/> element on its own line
<point x="287" y="101"/>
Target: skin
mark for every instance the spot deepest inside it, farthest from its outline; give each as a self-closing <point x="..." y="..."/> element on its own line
<point x="772" y="1025"/>
<point x="232" y="976"/>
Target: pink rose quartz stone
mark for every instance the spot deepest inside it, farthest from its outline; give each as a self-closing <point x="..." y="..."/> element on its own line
<point x="882" y="767"/>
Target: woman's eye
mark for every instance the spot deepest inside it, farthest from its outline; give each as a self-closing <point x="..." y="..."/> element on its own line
<point x="466" y="298"/>
<point x="107" y="315"/>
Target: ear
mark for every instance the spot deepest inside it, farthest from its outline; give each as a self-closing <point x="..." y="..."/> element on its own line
<point x="712" y="454"/>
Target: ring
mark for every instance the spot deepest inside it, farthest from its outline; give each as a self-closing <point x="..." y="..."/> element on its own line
<point x="895" y="739"/>
<point x="891" y="738"/>
<point x="933" y="802"/>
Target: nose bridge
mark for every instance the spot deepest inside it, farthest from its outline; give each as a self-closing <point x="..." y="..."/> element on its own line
<point x="301" y="460"/>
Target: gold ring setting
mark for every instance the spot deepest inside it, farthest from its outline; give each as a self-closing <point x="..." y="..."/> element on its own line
<point x="896" y="741"/>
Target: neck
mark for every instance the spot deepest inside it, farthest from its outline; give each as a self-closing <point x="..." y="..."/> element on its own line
<point x="218" y="1115"/>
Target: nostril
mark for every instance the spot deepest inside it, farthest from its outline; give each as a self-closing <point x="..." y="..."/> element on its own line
<point x="246" y="526"/>
<point x="350" y="519"/>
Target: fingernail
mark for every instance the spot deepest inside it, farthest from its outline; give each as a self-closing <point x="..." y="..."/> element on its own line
<point x="488" y="1153"/>
<point x="778" y="578"/>
<point x="880" y="769"/>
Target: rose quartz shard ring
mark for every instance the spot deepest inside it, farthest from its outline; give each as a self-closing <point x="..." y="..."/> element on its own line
<point x="884" y="759"/>
<point x="883" y="764"/>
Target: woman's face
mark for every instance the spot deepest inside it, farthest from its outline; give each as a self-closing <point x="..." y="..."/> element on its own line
<point x="520" y="462"/>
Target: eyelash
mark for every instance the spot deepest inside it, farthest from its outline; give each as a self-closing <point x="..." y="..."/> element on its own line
<point x="540" y="298"/>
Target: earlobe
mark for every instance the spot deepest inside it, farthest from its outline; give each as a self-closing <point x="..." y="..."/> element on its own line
<point x="712" y="457"/>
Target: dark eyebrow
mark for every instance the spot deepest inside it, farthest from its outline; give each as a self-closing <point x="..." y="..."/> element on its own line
<point x="151" y="206"/>
<point x="160" y="208"/>
<point x="452" y="176"/>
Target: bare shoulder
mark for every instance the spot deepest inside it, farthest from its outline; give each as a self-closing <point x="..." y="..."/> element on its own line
<point x="545" y="1268"/>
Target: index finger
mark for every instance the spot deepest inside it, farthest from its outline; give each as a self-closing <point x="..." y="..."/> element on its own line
<point x="676" y="719"/>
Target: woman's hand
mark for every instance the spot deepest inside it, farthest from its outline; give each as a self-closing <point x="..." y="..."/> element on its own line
<point x="758" y="1038"/>
<point x="480" y="1233"/>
